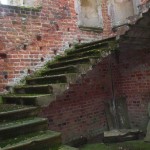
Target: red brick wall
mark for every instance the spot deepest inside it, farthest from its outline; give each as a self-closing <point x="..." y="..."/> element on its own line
<point x="134" y="83"/>
<point x="80" y="110"/>
<point x="56" y="22"/>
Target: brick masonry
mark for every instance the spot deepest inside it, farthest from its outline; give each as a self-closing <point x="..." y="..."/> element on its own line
<point x="56" y="23"/>
<point x="80" y="110"/>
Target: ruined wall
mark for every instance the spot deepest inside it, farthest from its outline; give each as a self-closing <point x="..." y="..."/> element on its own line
<point x="134" y="84"/>
<point x="55" y="22"/>
<point x="80" y="111"/>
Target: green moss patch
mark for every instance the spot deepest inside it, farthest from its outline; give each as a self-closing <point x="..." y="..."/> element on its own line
<point x="27" y="139"/>
<point x="131" y="145"/>
<point x="1" y="100"/>
<point x="10" y="107"/>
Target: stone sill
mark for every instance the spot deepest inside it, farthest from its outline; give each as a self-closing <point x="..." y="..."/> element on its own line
<point x="91" y="29"/>
<point x="24" y="8"/>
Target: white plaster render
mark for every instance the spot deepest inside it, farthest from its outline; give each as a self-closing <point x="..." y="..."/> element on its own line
<point x="89" y="13"/>
<point x="120" y="10"/>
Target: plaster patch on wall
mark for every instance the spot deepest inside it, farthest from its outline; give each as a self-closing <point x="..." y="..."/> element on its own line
<point x="89" y="13"/>
<point x="26" y="3"/>
<point x="119" y="11"/>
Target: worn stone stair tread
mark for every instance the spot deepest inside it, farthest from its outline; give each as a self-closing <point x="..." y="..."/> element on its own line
<point x="95" y="42"/>
<point x="38" y="85"/>
<point x="71" y="62"/>
<point x="120" y="132"/>
<point x="21" y="122"/>
<point x="33" y="89"/>
<point x="55" y="71"/>
<point x="120" y="135"/>
<point x="61" y="68"/>
<point x="21" y="141"/>
<point x="65" y="147"/>
<point x="6" y="108"/>
<point x="90" y="53"/>
<point x="29" y="99"/>
<point x="32" y="86"/>
<point x="53" y="76"/>
<point x="56" y="87"/>
<point x="19" y="109"/>
<point x="88" y="48"/>
<point x="25" y="95"/>
<point x="17" y="112"/>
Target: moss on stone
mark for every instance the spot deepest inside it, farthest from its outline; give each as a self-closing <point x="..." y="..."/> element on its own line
<point x="1" y="100"/>
<point x="10" y="107"/>
<point x="131" y="145"/>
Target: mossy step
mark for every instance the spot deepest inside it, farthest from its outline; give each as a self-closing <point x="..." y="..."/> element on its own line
<point x="89" y="60"/>
<point x="65" y="147"/>
<point x="40" y="89"/>
<point x="47" y="80"/>
<point x="93" y="52"/>
<point x="13" y="112"/>
<point x="11" y="107"/>
<point x="59" y="70"/>
<point x="33" y="141"/>
<point x="15" y="128"/>
<point x="95" y="42"/>
<point x="56" y="88"/>
<point x="62" y="78"/>
<point x="28" y="99"/>
<point x="80" y="50"/>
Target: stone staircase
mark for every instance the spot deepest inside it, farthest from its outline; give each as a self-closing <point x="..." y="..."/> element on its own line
<point x="20" y="126"/>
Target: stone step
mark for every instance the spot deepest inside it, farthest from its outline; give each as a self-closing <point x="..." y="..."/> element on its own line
<point x="65" y="147"/>
<point x="93" y="52"/>
<point x="40" y="89"/>
<point x="89" y="60"/>
<point x="28" y="99"/>
<point x="59" y="70"/>
<point x="121" y="135"/>
<point x="62" y="78"/>
<point x="15" y="128"/>
<point x="10" y="112"/>
<point x="95" y="42"/>
<point x="56" y="88"/>
<point x="88" y="48"/>
<point x="41" y="140"/>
